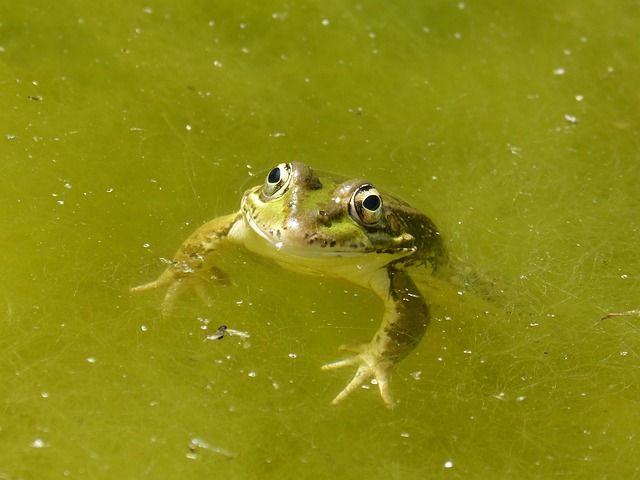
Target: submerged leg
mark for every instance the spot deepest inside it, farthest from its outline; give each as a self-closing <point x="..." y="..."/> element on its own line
<point x="189" y="267"/>
<point x="404" y="323"/>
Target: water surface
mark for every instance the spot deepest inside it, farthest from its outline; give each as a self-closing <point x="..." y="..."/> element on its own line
<point x="128" y="124"/>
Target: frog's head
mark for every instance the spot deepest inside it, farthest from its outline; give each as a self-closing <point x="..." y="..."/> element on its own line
<point x="299" y="213"/>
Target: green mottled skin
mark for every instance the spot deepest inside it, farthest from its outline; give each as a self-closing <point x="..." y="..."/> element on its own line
<point x="312" y="225"/>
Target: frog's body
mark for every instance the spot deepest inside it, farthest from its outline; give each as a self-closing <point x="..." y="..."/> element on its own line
<point x="327" y="227"/>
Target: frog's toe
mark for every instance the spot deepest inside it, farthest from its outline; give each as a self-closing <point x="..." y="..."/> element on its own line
<point x="171" y="297"/>
<point x="369" y="368"/>
<point x="178" y="282"/>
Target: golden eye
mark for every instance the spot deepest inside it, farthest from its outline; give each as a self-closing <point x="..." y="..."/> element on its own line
<point x="365" y="205"/>
<point x="277" y="181"/>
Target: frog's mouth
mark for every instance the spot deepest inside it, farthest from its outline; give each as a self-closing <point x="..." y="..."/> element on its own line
<point x="283" y="237"/>
<point x="290" y="242"/>
<point x="255" y="227"/>
<point x="310" y="245"/>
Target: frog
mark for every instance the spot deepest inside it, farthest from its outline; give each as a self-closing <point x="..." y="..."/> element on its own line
<point x="328" y="227"/>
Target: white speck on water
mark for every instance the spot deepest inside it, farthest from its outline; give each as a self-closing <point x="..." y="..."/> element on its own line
<point x="39" y="443"/>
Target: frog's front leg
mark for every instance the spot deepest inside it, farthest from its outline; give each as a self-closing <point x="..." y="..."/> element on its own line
<point x="404" y="323"/>
<point x="189" y="267"/>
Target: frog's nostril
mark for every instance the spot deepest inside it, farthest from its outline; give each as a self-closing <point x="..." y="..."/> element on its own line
<point x="323" y="217"/>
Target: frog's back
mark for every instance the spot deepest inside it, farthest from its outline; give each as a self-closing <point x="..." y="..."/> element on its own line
<point x="427" y="240"/>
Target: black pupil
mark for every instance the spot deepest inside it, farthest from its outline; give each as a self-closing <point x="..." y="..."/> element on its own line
<point x="274" y="176"/>
<point x="372" y="202"/>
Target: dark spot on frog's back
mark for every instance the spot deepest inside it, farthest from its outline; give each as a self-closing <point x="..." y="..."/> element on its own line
<point x="327" y="243"/>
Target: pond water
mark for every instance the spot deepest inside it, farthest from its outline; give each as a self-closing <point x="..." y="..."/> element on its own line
<point x="125" y="125"/>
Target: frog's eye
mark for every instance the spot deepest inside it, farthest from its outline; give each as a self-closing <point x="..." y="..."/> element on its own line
<point x="277" y="181"/>
<point x="365" y="206"/>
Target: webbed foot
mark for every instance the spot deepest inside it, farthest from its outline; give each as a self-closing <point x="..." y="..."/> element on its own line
<point x="192" y="267"/>
<point x="178" y="280"/>
<point x="370" y="367"/>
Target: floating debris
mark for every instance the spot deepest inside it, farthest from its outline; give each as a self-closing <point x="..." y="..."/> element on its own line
<point x="628" y="313"/>
<point x="196" y="444"/>
<point x="222" y="329"/>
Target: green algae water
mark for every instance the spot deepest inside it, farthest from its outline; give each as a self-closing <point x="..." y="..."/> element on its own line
<point x="124" y="126"/>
